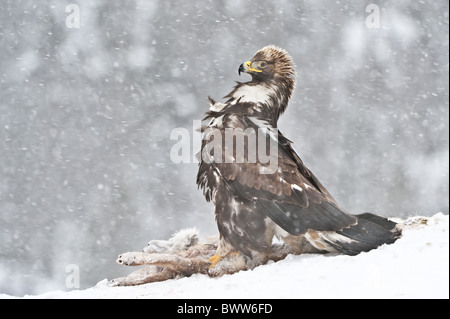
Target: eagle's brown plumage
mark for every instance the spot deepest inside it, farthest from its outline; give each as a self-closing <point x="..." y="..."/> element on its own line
<point x="258" y="199"/>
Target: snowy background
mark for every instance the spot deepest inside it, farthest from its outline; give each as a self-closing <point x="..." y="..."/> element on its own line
<point x="86" y="115"/>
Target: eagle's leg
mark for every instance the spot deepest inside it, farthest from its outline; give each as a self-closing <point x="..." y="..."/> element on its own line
<point x="229" y="264"/>
<point x="226" y="260"/>
<point x="214" y="260"/>
<point x="223" y="250"/>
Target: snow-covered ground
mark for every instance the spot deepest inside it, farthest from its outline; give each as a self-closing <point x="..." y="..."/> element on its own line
<point x="416" y="266"/>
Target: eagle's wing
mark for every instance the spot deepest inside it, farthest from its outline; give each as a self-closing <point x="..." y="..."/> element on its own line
<point x="291" y="196"/>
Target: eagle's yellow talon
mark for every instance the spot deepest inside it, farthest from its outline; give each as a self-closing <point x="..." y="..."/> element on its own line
<point x="214" y="260"/>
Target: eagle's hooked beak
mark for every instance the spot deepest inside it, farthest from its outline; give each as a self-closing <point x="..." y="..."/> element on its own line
<point x="241" y="69"/>
<point x="247" y="68"/>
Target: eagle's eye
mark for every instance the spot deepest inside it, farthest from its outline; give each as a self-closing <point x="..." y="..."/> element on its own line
<point x="263" y="64"/>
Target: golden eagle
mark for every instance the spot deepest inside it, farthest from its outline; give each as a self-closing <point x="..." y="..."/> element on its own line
<point x="259" y="185"/>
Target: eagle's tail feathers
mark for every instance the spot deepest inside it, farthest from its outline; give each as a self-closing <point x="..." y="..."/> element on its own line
<point x="370" y="232"/>
<point x="297" y="220"/>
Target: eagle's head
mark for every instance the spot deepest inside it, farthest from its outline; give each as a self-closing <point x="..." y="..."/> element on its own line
<point x="269" y="64"/>
<point x="272" y="67"/>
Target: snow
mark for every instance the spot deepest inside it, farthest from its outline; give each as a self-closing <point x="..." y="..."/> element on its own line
<point x="416" y="266"/>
